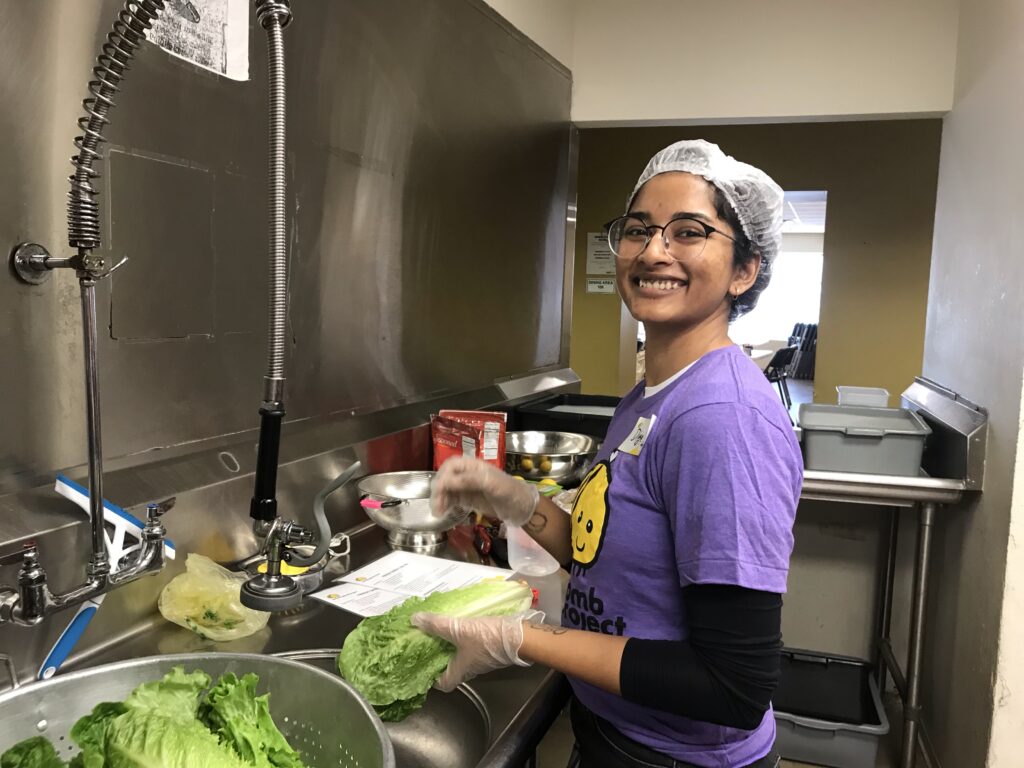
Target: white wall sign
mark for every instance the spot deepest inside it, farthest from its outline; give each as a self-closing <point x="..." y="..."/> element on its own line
<point x="600" y="259"/>
<point x="212" y="34"/>
<point x="600" y="285"/>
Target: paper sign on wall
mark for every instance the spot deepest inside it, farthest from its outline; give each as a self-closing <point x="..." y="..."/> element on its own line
<point x="600" y="285"/>
<point x="600" y="259"/>
<point x="212" y="34"/>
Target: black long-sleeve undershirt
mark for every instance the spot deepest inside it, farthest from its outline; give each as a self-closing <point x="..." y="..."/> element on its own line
<point x="724" y="672"/>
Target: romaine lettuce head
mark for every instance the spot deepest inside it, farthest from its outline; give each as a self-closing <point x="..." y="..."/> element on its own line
<point x="393" y="664"/>
<point x="233" y="711"/>
<point x="35" y="752"/>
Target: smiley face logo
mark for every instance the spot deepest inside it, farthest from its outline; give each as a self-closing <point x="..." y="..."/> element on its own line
<point x="590" y="515"/>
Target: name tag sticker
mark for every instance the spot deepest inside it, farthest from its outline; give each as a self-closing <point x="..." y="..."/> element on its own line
<point x="635" y="442"/>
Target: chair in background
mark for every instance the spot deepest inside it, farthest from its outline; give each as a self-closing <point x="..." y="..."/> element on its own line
<point x="777" y="372"/>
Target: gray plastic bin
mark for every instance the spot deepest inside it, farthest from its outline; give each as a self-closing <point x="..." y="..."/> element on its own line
<point x="873" y="441"/>
<point x="873" y="397"/>
<point x="828" y="711"/>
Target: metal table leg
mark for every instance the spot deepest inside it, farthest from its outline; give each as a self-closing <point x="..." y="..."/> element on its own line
<point x="912" y="701"/>
<point x="885" y="610"/>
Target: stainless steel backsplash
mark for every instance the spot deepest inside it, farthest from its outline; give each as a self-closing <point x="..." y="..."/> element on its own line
<point x="430" y="186"/>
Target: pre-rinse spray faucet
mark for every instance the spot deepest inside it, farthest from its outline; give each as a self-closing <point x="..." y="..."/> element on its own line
<point x="30" y="600"/>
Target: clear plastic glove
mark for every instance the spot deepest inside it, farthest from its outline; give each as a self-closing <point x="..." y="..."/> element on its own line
<point x="481" y="644"/>
<point x="475" y="485"/>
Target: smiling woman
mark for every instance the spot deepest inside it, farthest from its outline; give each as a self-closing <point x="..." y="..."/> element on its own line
<point x="679" y="540"/>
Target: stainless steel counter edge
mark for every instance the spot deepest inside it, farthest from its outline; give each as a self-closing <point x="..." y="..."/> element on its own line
<point x="520" y="738"/>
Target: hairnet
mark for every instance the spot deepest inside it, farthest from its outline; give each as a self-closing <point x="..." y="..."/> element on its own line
<point x="756" y="199"/>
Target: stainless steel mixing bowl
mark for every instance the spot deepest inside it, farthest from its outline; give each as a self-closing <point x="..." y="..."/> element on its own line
<point x="320" y="714"/>
<point x="405" y="509"/>
<point x="559" y="456"/>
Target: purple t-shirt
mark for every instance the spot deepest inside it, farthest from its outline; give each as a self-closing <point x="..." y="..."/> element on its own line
<point x="705" y="493"/>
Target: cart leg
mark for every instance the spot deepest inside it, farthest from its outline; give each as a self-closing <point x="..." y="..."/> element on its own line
<point x="912" y="702"/>
<point x="885" y="609"/>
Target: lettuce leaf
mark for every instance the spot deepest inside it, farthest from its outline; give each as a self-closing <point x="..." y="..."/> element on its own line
<point x="147" y="739"/>
<point x="175" y="696"/>
<point x="36" y="752"/>
<point x="90" y="733"/>
<point x="233" y="711"/>
<point x="393" y="664"/>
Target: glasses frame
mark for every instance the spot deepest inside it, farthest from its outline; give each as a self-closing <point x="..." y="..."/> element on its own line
<point x="708" y="232"/>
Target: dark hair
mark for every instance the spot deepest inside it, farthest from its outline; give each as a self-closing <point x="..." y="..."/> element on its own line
<point x="743" y="252"/>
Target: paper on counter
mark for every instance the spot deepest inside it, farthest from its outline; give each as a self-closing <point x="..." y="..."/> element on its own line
<point x="383" y="584"/>
<point x="362" y="601"/>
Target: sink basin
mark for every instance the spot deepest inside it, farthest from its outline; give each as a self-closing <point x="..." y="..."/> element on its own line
<point x="452" y="730"/>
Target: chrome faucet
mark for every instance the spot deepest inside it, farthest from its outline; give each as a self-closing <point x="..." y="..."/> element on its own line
<point x="32" y="601"/>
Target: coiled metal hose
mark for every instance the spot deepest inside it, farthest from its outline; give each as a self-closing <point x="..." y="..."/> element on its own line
<point x="129" y="30"/>
<point x="274" y="15"/>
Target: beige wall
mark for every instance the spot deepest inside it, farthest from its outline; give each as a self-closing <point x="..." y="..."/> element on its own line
<point x="881" y="179"/>
<point x="549" y="23"/>
<point x="974" y="671"/>
<point x="746" y="59"/>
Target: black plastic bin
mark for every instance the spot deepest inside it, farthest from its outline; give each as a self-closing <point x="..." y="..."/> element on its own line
<point x="828" y="710"/>
<point x="583" y="414"/>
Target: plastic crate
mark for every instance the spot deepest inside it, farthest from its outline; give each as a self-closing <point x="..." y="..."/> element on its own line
<point x="871" y="397"/>
<point x="873" y="441"/>
<point x="828" y="710"/>
<point x="583" y="414"/>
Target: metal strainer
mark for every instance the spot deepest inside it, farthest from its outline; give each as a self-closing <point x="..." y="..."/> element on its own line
<point x="320" y="714"/>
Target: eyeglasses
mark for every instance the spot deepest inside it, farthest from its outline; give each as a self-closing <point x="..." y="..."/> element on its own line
<point x="683" y="238"/>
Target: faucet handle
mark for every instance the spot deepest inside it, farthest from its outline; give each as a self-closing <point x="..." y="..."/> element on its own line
<point x="155" y="510"/>
<point x="18" y="557"/>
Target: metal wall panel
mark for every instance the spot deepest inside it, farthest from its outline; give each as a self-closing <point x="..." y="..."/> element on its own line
<point x="429" y="147"/>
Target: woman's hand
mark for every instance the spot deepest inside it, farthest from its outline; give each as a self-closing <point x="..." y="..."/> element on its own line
<point x="481" y="644"/>
<point x="473" y="484"/>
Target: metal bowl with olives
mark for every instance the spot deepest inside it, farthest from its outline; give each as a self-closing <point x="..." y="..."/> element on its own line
<point x="559" y="456"/>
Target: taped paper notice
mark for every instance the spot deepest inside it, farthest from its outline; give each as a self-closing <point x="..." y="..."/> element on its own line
<point x="218" y="41"/>
<point x="600" y="259"/>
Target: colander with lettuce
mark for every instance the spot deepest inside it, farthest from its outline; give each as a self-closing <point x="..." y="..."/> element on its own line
<point x="169" y="723"/>
<point x="393" y="664"/>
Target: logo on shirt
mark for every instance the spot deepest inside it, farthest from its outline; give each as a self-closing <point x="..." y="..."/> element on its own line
<point x="584" y="606"/>
<point x="590" y="515"/>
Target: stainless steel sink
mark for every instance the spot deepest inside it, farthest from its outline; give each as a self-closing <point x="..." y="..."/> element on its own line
<point x="452" y="730"/>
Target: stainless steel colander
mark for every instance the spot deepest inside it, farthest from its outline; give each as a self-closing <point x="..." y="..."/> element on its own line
<point x="320" y="714"/>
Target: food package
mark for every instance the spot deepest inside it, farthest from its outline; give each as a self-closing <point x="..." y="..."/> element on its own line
<point x="453" y="438"/>
<point x="205" y="599"/>
<point x="491" y="424"/>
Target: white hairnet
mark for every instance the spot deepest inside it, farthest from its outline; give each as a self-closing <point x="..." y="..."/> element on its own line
<point x="756" y="199"/>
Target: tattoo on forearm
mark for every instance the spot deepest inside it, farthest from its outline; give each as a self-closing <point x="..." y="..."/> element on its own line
<point x="550" y="629"/>
<point x="537" y="523"/>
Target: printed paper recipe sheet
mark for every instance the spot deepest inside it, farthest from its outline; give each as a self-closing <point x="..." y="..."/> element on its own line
<point x="383" y="584"/>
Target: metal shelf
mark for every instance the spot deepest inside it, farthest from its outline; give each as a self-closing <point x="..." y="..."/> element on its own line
<point x="884" y="490"/>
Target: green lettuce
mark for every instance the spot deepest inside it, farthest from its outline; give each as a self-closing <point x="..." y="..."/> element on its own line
<point x="175" y="696"/>
<point x="140" y="739"/>
<point x="90" y="734"/>
<point x="169" y="724"/>
<point x="36" y="752"/>
<point x="233" y="711"/>
<point x="393" y="664"/>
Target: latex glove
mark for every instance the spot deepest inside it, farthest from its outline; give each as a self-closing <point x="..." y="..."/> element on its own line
<point x="473" y="484"/>
<point x="481" y="644"/>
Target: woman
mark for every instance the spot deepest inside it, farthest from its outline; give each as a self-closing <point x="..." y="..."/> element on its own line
<point x="680" y="535"/>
